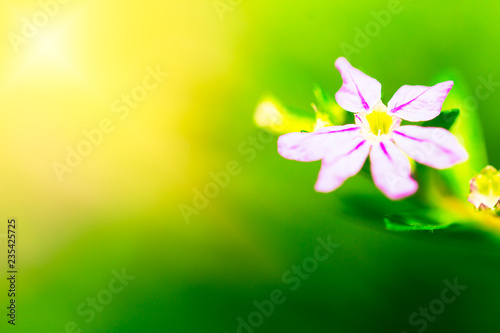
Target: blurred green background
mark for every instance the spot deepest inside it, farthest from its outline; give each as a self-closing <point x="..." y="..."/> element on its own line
<point x="121" y="208"/>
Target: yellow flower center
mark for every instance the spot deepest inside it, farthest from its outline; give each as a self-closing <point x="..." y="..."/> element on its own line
<point x="377" y="125"/>
<point x="380" y="122"/>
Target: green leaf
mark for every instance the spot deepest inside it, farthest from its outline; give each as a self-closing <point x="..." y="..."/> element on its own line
<point x="446" y="119"/>
<point x="328" y="108"/>
<point x="468" y="130"/>
<point x="411" y="222"/>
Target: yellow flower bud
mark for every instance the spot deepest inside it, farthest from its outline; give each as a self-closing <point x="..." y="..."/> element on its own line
<point x="485" y="189"/>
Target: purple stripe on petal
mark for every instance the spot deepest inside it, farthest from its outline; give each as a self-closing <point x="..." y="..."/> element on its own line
<point x="391" y="171"/>
<point x="359" y="92"/>
<point x="446" y="150"/>
<point x="359" y="145"/>
<point x="343" y="130"/>
<point x="419" y="103"/>
<point x="396" y="109"/>
<point x="432" y="146"/>
<point x="385" y="150"/>
<point x="363" y="101"/>
<point x="336" y="169"/>
<point x="346" y="128"/>
<point x="308" y="147"/>
<point x="407" y="136"/>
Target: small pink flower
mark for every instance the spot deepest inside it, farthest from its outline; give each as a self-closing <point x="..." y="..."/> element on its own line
<point x="377" y="133"/>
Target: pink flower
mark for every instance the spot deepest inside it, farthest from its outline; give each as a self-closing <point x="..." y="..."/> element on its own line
<point x="377" y="133"/>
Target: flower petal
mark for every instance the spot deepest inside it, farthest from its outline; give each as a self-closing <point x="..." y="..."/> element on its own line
<point x="419" y="103"/>
<point x="391" y="171"/>
<point x="359" y="92"/>
<point x="347" y="160"/>
<point x="308" y="147"/>
<point x="432" y="146"/>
